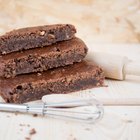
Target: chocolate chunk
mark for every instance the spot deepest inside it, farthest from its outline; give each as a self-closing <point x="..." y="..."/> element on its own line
<point x="25" y="88"/>
<point x="41" y="59"/>
<point x="33" y="37"/>
<point x="35" y="115"/>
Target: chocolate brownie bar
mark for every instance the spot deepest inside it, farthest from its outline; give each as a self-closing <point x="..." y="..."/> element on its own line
<point x="33" y="37"/>
<point x="24" y="88"/>
<point x="40" y="59"/>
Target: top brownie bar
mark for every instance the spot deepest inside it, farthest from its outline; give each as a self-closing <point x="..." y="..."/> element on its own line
<point x="33" y="37"/>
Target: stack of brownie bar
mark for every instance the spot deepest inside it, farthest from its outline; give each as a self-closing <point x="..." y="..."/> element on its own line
<point x="42" y="60"/>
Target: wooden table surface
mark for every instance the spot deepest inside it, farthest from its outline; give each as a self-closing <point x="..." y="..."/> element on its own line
<point x="118" y="122"/>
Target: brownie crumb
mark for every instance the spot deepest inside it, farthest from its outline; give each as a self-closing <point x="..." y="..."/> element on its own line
<point x="32" y="131"/>
<point x="27" y="138"/>
<point x="35" y="115"/>
<point x="8" y="116"/>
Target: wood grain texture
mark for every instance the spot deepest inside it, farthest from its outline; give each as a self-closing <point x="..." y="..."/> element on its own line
<point x="121" y="123"/>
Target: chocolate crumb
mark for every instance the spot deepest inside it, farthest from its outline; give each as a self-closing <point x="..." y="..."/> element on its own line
<point x="8" y="116"/>
<point x="27" y="138"/>
<point x="35" y="115"/>
<point x="21" y="129"/>
<point x="32" y="131"/>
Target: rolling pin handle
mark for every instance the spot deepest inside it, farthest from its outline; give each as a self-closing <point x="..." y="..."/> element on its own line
<point x="132" y="68"/>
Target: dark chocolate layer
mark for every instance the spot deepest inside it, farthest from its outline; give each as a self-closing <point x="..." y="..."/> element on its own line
<point x="33" y="37"/>
<point x="78" y="76"/>
<point x="41" y="59"/>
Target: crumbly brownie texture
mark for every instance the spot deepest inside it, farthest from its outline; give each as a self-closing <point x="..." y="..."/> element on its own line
<point x="25" y="88"/>
<point x="33" y="37"/>
<point x="40" y="59"/>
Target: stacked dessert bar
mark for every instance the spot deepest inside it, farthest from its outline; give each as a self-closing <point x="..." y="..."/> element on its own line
<point x="36" y="61"/>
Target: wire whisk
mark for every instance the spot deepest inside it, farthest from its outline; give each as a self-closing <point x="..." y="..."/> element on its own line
<point x="84" y="110"/>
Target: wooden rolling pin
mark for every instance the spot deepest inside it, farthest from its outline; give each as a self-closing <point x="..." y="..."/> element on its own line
<point x="114" y="66"/>
<point x="55" y="98"/>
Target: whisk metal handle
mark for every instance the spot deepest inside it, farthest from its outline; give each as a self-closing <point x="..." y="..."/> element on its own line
<point x="13" y="107"/>
<point x="38" y="109"/>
